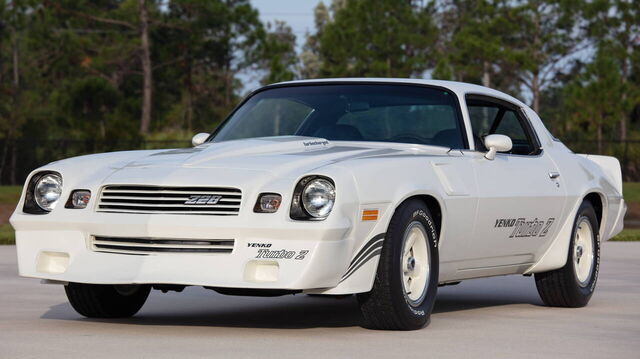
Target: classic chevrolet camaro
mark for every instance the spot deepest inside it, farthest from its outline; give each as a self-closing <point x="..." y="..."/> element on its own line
<point x="383" y="188"/>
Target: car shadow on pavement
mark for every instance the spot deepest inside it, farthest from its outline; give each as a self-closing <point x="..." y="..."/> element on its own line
<point x="289" y="312"/>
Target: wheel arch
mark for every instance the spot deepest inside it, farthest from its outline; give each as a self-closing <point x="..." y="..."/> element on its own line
<point x="432" y="203"/>
<point x="596" y="199"/>
<point x="556" y="254"/>
<point x="362" y="279"/>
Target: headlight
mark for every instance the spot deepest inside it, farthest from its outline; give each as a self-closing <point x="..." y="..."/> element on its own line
<point x="313" y="198"/>
<point x="318" y="198"/>
<point x="47" y="191"/>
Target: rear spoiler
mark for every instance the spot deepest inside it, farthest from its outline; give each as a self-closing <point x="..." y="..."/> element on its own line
<point x="611" y="168"/>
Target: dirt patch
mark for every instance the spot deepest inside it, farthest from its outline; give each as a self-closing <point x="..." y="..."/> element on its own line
<point x="5" y="212"/>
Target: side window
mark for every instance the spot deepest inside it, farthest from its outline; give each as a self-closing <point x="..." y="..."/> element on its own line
<point x="512" y="127"/>
<point x="488" y="118"/>
<point x="482" y="117"/>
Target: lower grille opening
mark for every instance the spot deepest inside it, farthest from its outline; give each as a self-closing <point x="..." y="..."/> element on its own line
<point x="132" y="245"/>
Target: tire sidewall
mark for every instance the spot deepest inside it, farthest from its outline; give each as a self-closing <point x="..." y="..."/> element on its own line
<point x="586" y="210"/>
<point x="415" y="315"/>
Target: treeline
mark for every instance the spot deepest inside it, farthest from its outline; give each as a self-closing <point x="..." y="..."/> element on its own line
<point x="156" y="70"/>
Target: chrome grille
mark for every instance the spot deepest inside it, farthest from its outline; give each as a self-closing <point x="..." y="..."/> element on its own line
<point x="127" y="245"/>
<point x="218" y="201"/>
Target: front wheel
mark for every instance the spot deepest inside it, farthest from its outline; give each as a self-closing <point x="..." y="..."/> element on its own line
<point x="573" y="284"/>
<point x="106" y="301"/>
<point x="404" y="290"/>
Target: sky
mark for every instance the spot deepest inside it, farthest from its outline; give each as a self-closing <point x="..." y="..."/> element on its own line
<point x="296" y="13"/>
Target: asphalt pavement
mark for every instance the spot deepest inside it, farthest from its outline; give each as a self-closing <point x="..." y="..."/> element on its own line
<point x="484" y="318"/>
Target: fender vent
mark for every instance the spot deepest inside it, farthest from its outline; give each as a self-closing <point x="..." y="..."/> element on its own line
<point x="216" y="201"/>
<point x="125" y="245"/>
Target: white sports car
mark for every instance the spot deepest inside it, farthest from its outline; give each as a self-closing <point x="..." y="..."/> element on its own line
<point x="384" y="188"/>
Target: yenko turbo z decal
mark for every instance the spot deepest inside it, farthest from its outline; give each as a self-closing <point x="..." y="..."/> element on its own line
<point x="523" y="228"/>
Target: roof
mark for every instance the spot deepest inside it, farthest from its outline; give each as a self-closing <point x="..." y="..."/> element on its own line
<point x="460" y="88"/>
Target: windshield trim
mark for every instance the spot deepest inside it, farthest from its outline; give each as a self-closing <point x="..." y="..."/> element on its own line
<point x="458" y="110"/>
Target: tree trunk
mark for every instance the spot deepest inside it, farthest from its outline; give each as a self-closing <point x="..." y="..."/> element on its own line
<point x="535" y="90"/>
<point x="486" y="76"/>
<point x="599" y="138"/>
<point x="14" y="162"/>
<point x="16" y="70"/>
<point x="188" y="68"/>
<point x="627" y="69"/>
<point x="147" y="70"/>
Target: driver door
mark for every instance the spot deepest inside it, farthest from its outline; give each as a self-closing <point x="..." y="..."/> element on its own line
<point x="520" y="194"/>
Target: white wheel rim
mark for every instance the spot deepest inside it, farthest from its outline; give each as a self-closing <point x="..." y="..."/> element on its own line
<point x="583" y="254"/>
<point x="415" y="263"/>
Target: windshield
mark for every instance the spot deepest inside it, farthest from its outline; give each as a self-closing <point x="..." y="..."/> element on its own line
<point x="358" y="112"/>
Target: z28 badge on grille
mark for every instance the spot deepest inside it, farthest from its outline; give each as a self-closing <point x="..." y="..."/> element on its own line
<point x="204" y="200"/>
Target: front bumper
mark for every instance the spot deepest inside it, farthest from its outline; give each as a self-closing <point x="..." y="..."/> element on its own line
<point x="59" y="248"/>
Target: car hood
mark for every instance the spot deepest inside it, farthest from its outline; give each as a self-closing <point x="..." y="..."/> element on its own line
<point x="246" y="162"/>
<point x="269" y="154"/>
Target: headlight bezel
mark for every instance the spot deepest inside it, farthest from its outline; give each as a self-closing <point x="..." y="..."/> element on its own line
<point x="298" y="210"/>
<point x="31" y="206"/>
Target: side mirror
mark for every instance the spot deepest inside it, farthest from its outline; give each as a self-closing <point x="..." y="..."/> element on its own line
<point x="199" y="139"/>
<point x="496" y="143"/>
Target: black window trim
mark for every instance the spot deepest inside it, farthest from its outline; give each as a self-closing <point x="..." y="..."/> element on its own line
<point x="534" y="141"/>
<point x="458" y="109"/>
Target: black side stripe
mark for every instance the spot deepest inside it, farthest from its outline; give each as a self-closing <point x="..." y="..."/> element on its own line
<point x="372" y="255"/>
<point x="368" y="251"/>
<point x="371" y="248"/>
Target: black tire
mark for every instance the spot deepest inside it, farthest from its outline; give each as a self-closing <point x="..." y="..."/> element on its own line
<point x="106" y="301"/>
<point x="387" y="306"/>
<point x="561" y="287"/>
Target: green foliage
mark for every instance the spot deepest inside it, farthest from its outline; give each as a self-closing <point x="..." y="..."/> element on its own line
<point x="279" y="54"/>
<point x="79" y="65"/>
<point x="385" y="38"/>
<point x="479" y="43"/>
<point x="592" y="103"/>
<point x="74" y="69"/>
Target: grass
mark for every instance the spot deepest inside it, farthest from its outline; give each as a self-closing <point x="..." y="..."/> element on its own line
<point x="627" y="235"/>
<point x="7" y="236"/>
<point x="631" y="191"/>
<point x="11" y="194"/>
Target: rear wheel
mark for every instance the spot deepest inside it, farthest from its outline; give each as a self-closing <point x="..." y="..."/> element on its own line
<point x="574" y="284"/>
<point x="106" y="301"/>
<point x="406" y="282"/>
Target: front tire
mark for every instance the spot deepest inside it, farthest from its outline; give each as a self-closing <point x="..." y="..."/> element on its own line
<point x="406" y="283"/>
<point x="106" y="301"/>
<point x="574" y="284"/>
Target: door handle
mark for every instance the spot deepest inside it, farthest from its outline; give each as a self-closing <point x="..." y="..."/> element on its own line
<point x="554" y="175"/>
